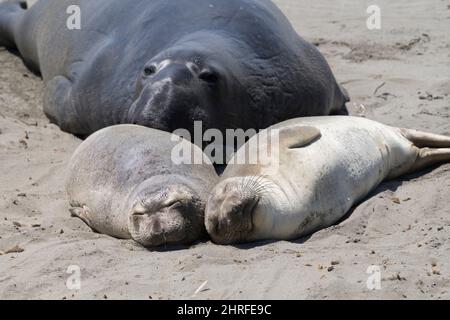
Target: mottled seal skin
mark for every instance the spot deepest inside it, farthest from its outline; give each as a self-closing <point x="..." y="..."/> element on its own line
<point x="122" y="182"/>
<point x="165" y="63"/>
<point x="326" y="165"/>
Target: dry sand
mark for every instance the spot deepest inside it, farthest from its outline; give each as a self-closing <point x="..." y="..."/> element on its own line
<point x="403" y="227"/>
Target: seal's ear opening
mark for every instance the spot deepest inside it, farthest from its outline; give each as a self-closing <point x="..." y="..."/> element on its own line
<point x="295" y="137"/>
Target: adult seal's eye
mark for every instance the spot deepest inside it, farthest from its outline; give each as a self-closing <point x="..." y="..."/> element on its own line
<point x="209" y="77"/>
<point x="149" y="71"/>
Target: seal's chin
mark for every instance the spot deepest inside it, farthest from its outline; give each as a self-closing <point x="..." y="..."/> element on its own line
<point x="231" y="210"/>
<point x="171" y="216"/>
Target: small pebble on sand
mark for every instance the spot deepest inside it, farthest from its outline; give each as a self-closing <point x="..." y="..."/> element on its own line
<point x="15" y="249"/>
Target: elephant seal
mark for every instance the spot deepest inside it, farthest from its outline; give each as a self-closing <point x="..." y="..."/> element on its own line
<point x="122" y="182"/>
<point x="326" y="165"/>
<point x="165" y="63"/>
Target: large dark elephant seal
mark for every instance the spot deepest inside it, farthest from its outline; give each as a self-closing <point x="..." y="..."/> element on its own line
<point x="122" y="181"/>
<point x="165" y="63"/>
<point x="324" y="165"/>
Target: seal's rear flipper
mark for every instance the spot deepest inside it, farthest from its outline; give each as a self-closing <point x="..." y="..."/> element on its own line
<point x="10" y="12"/>
<point x="429" y="157"/>
<point x="83" y="214"/>
<point x="431" y="148"/>
<point x="425" y="139"/>
<point x="296" y="136"/>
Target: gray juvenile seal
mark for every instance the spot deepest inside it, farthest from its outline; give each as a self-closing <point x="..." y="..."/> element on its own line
<point x="165" y="63"/>
<point x="122" y="182"/>
<point x="326" y="165"/>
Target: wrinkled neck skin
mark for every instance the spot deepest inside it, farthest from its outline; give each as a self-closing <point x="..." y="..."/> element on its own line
<point x="284" y="207"/>
<point x="273" y="217"/>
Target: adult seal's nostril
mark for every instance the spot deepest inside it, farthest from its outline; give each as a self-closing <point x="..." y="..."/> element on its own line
<point x="150" y="70"/>
<point x="209" y="76"/>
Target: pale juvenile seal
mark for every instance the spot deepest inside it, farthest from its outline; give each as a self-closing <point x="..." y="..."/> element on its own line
<point x="122" y="182"/>
<point x="326" y="165"/>
<point x="165" y="63"/>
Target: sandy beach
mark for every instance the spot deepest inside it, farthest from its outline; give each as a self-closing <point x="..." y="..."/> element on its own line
<point x="398" y="75"/>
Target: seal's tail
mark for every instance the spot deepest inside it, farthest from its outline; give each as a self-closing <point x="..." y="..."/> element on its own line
<point x="9" y="16"/>
<point x="433" y="148"/>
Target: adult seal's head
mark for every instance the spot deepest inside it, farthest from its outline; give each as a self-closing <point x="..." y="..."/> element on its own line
<point x="196" y="79"/>
<point x="124" y="181"/>
<point x="235" y="64"/>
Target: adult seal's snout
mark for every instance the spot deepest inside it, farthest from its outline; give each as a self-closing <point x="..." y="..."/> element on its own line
<point x="165" y="102"/>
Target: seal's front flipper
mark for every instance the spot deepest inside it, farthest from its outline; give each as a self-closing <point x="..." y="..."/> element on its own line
<point x="296" y="136"/>
<point x="10" y="12"/>
<point x="83" y="214"/>
<point x="59" y="105"/>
